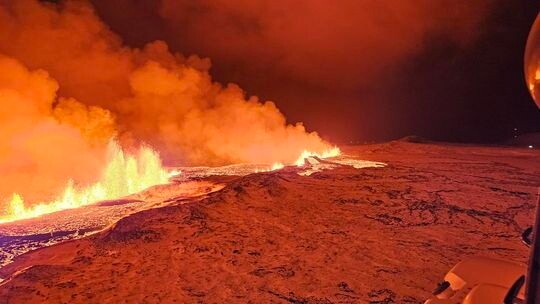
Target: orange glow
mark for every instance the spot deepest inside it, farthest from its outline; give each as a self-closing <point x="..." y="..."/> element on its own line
<point x="68" y="86"/>
<point x="333" y="152"/>
<point x="532" y="61"/>
<point x="124" y="174"/>
<point x="277" y="166"/>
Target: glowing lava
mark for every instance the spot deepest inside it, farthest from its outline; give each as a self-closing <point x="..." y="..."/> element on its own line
<point x="333" y="152"/>
<point x="277" y="166"/>
<point x="124" y="174"/>
<point x="300" y="161"/>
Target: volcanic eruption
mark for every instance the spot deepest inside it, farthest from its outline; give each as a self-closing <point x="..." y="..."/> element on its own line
<point x="86" y="118"/>
<point x="143" y="176"/>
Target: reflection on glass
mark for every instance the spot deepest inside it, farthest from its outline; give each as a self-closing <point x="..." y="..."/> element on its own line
<point x="532" y="61"/>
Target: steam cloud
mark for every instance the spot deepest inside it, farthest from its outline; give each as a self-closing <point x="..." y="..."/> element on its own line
<point x="337" y="46"/>
<point x="38" y="153"/>
<point x="346" y="59"/>
<point x="67" y="85"/>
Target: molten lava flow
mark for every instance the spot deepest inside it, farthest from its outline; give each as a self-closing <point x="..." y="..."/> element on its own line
<point x="277" y="166"/>
<point x="333" y="152"/>
<point x="124" y="174"/>
<point x="301" y="160"/>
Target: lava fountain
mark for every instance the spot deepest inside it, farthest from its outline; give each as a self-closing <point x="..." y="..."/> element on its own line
<point x="123" y="175"/>
<point x="68" y="85"/>
<point x="333" y="152"/>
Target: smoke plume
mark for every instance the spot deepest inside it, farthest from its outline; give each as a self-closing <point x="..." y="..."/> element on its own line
<point x="68" y="85"/>
<point x="38" y="153"/>
<point x="340" y="66"/>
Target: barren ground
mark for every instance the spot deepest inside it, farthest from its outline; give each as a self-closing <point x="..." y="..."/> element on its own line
<point x="372" y="235"/>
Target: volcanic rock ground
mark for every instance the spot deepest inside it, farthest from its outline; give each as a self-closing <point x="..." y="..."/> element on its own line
<point x="345" y="235"/>
<point x="19" y="237"/>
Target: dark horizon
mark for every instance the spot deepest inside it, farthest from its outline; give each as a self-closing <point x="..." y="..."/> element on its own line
<point x="443" y="89"/>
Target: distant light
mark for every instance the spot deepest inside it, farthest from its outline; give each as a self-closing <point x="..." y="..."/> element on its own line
<point x="515" y="129"/>
<point x="530" y="147"/>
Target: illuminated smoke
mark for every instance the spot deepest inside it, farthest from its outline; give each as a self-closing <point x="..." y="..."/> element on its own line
<point x="123" y="175"/>
<point x="166" y="100"/>
<point x="37" y="152"/>
<point x="68" y="86"/>
<point x="339" y="45"/>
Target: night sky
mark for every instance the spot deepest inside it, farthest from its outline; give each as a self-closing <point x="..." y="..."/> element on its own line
<point x="358" y="70"/>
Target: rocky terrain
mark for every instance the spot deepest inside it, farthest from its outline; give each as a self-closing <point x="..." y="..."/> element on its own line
<point x="19" y="237"/>
<point x="343" y="235"/>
